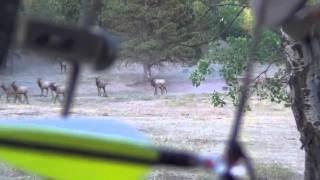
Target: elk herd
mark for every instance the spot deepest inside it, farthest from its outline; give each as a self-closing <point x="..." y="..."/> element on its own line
<point x="58" y="91"/>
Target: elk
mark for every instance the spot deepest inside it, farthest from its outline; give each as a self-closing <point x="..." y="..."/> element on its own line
<point x="159" y="83"/>
<point x="19" y="91"/>
<point x="59" y="90"/>
<point x="9" y="92"/>
<point x="43" y="85"/>
<point x="101" y="85"/>
<point x="63" y="66"/>
<point x="52" y="87"/>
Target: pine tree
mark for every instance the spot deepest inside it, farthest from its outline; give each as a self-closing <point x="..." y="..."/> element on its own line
<point x="154" y="31"/>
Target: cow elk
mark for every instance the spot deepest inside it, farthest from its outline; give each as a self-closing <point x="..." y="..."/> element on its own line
<point x="52" y="88"/>
<point x="44" y="86"/>
<point x="159" y="83"/>
<point x="57" y="91"/>
<point x="101" y="85"/>
<point x="20" y="91"/>
<point x="8" y="91"/>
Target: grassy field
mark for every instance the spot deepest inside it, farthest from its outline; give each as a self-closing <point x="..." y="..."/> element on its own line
<point x="182" y="119"/>
<point x="188" y="122"/>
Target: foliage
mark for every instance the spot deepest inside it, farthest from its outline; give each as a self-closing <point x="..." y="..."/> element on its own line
<point x="66" y="11"/>
<point x="153" y="32"/>
<point x="200" y="72"/>
<point x="228" y="13"/>
<point x="275" y="88"/>
<point x="201" y="32"/>
<point x="217" y="100"/>
<point x="232" y="55"/>
<point x="233" y="93"/>
<point x="173" y="30"/>
<point x="156" y="31"/>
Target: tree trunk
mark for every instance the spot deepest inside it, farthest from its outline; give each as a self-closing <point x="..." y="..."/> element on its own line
<point x="89" y="12"/>
<point x="304" y="83"/>
<point x="147" y="71"/>
<point x="84" y="17"/>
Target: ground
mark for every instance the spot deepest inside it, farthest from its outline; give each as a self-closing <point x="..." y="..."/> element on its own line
<point x="183" y="119"/>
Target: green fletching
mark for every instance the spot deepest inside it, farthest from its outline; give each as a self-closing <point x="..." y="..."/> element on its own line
<point x="69" y="166"/>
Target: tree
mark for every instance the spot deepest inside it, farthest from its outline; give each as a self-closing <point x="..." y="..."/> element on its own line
<point x="62" y="11"/>
<point x="229" y="49"/>
<point x="302" y="54"/>
<point x="300" y="47"/>
<point x="232" y="56"/>
<point x="155" y="31"/>
<point x="89" y="12"/>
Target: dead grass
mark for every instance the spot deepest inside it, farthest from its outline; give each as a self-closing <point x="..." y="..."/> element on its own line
<point x="263" y="172"/>
<point x="8" y="173"/>
<point x="276" y="172"/>
<point x="186" y="122"/>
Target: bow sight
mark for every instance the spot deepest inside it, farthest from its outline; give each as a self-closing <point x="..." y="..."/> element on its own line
<point x="76" y="45"/>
